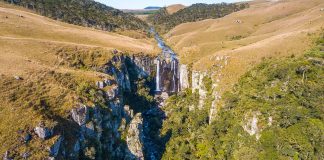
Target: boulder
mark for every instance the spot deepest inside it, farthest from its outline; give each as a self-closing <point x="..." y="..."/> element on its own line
<point x="17" y="78"/>
<point x="80" y="114"/>
<point x="43" y="132"/>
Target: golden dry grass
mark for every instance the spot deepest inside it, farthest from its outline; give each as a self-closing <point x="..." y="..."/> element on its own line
<point x="142" y="17"/>
<point x="27" y="40"/>
<point x="175" y="8"/>
<point x="18" y="25"/>
<point x="267" y="29"/>
<point x="29" y="48"/>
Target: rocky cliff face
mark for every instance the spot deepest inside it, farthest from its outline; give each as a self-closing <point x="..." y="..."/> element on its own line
<point x="135" y="137"/>
<point x="183" y="77"/>
<point x="198" y="85"/>
<point x="106" y="131"/>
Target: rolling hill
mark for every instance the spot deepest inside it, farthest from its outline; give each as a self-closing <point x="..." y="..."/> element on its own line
<point x="163" y="21"/>
<point x="86" y="13"/>
<point x="174" y="8"/>
<point x="266" y="29"/>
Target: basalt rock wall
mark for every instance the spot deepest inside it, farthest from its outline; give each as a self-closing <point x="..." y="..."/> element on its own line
<point x="110" y="131"/>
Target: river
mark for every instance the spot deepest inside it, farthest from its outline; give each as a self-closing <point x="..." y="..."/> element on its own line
<point x="167" y="79"/>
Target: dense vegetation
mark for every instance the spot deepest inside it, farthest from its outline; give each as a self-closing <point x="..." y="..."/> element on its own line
<point x="163" y="21"/>
<point x="284" y="96"/>
<point x="83" y="12"/>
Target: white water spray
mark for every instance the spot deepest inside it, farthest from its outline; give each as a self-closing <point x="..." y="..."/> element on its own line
<point x="158" y="75"/>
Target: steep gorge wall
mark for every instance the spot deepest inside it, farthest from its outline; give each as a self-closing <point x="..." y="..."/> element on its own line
<point x="111" y="128"/>
<point x="121" y="124"/>
<point x="204" y="83"/>
<point x="125" y="136"/>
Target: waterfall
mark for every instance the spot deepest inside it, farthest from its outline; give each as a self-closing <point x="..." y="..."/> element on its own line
<point x="169" y="71"/>
<point x="174" y="74"/>
<point x="157" y="75"/>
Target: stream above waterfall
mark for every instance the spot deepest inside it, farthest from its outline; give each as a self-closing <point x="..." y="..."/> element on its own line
<point x="166" y="75"/>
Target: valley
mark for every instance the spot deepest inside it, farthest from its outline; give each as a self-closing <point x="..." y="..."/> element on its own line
<point x="205" y="81"/>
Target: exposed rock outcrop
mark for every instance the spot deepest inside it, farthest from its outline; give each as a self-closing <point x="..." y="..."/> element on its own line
<point x="184" y="77"/>
<point x="213" y="109"/>
<point x="135" y="137"/>
<point x="144" y="65"/>
<point x="43" y="132"/>
<point x="112" y="93"/>
<point x="128" y="113"/>
<point x="251" y="124"/>
<point x="80" y="114"/>
<point x="198" y="85"/>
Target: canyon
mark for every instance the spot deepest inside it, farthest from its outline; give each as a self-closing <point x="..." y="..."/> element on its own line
<point x="140" y="94"/>
<point x="127" y="130"/>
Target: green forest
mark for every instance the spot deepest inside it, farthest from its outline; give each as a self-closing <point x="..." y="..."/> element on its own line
<point x="163" y="21"/>
<point x="284" y="96"/>
<point x="86" y="13"/>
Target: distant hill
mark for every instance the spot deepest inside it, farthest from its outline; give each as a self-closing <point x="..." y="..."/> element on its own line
<point x="85" y="13"/>
<point x="164" y="21"/>
<point x="175" y="8"/>
<point x="153" y="7"/>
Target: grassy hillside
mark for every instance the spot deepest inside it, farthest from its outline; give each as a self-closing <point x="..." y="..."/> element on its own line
<point x="174" y="8"/>
<point x="265" y="29"/>
<point x="274" y="112"/>
<point x="85" y="13"/>
<point x="56" y="63"/>
<point x="164" y="20"/>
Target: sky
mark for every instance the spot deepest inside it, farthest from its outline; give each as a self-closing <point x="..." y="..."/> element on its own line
<point x="140" y="4"/>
